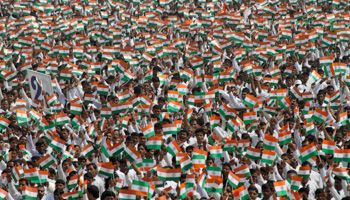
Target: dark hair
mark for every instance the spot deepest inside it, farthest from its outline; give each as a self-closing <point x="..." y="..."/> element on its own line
<point x="199" y="130"/>
<point x="107" y="194"/>
<point x="93" y="190"/>
<point x="60" y="181"/>
<point x="92" y="164"/>
<point x="253" y="188"/>
<point x="24" y="179"/>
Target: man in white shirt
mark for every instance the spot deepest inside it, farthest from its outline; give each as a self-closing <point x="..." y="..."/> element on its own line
<point x="98" y="181"/>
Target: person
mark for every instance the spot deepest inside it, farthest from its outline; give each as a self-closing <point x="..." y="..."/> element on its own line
<point x="93" y="192"/>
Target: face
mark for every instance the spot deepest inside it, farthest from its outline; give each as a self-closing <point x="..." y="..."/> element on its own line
<point x="142" y="150"/>
<point x="21" y="185"/>
<point x="142" y="139"/>
<point x="13" y="144"/>
<point x="252" y="194"/>
<point x="200" y="137"/>
<point x="41" y="191"/>
<point x="267" y="193"/>
<point x="59" y="186"/>
<point x="5" y="105"/>
<point x="92" y="170"/>
<point x="23" y="140"/>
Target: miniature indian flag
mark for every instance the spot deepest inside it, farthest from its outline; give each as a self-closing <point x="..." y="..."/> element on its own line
<point x="3" y="194"/>
<point x="328" y="146"/>
<point x="319" y="115"/>
<point x="154" y="142"/>
<point x="58" y="144"/>
<point x="169" y="129"/>
<point x="29" y="193"/>
<point x="284" y="138"/>
<point x="253" y="153"/>
<point x="74" y="195"/>
<point x="168" y="174"/>
<point x="285" y="102"/>
<point x="341" y="173"/>
<point x="46" y="161"/>
<point x="148" y="130"/>
<point x="102" y="89"/>
<point x="32" y="174"/>
<point x="215" y="151"/>
<point x="126" y="194"/>
<point x="295" y="182"/>
<point x="22" y="117"/>
<point x="250" y="100"/>
<point x="326" y="61"/>
<point x="270" y="142"/>
<point x="214" y="172"/>
<point x="281" y="188"/>
<point x="186" y="163"/>
<point x="61" y="119"/>
<point x="34" y="115"/>
<point x="244" y="169"/>
<point x="308" y="152"/>
<point x="241" y="193"/>
<point x="174" y="106"/>
<point x="88" y="150"/>
<point x="76" y="109"/>
<point x="131" y="153"/>
<point x="268" y="157"/>
<point x="249" y="117"/>
<point x="173" y="148"/>
<point x="106" y="170"/>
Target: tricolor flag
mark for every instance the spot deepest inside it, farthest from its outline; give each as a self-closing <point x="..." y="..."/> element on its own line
<point x="341" y="173"/>
<point x="126" y="194"/>
<point x="168" y="174"/>
<point x="233" y="179"/>
<point x="58" y="144"/>
<point x="270" y="142"/>
<point x="169" y="129"/>
<point x="241" y="193"/>
<point x="76" y="108"/>
<point x="186" y="163"/>
<point x="88" y="150"/>
<point x="250" y="100"/>
<point x="22" y="117"/>
<point x="32" y="175"/>
<point x="328" y="146"/>
<point x="319" y="115"/>
<point x="174" y="106"/>
<point x="285" y="102"/>
<point x="106" y="170"/>
<point x="173" y="148"/>
<point x="268" y="157"/>
<point x="243" y="169"/>
<point x="249" y="117"/>
<point x="281" y="188"/>
<point x="304" y="172"/>
<point x="131" y="153"/>
<point x="216" y="151"/>
<point x="52" y="100"/>
<point x="34" y="115"/>
<point x="46" y="161"/>
<point x="71" y="195"/>
<point x="73" y="182"/>
<point x="61" y="119"/>
<point x="253" y="153"/>
<point x="154" y="142"/>
<point x="3" y="194"/>
<point x="148" y="130"/>
<point x="29" y="193"/>
<point x="295" y="182"/>
<point x="308" y="152"/>
<point x="284" y="138"/>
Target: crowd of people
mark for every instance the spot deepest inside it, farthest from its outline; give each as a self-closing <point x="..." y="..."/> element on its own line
<point x="175" y="99"/>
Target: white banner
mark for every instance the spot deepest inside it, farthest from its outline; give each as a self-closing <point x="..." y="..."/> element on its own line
<point x="35" y="89"/>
